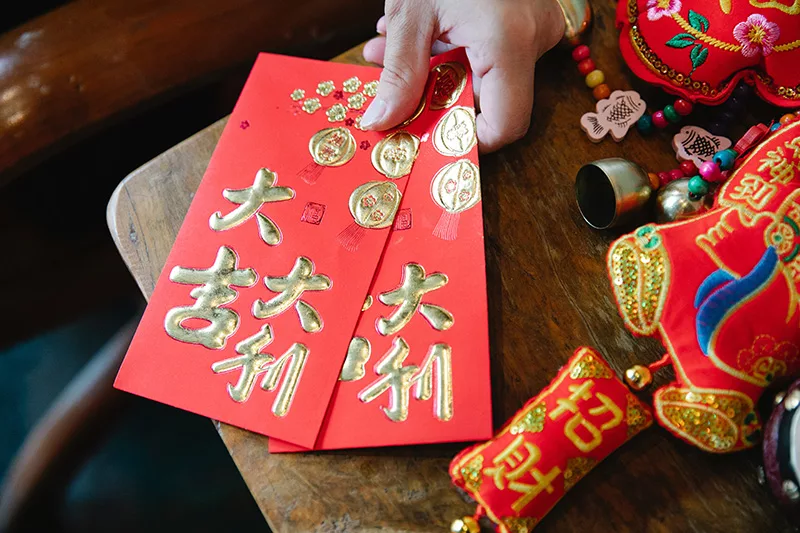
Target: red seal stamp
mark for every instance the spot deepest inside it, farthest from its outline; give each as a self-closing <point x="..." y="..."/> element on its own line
<point x="313" y="213"/>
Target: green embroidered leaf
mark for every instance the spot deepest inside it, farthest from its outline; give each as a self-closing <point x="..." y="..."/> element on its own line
<point x="682" y="40"/>
<point x="698" y="56"/>
<point x="698" y="21"/>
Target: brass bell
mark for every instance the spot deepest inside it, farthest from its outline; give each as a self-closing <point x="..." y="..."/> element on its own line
<point x="610" y="192"/>
<point x="638" y="377"/>
<point x="466" y="524"/>
<point x="673" y="202"/>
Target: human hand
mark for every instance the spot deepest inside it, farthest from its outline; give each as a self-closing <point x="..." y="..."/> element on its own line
<point x="503" y="41"/>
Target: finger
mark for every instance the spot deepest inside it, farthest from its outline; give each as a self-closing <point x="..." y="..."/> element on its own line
<point x="506" y="103"/>
<point x="375" y="49"/>
<point x="409" y="31"/>
<point x="439" y="47"/>
<point x="381" y="26"/>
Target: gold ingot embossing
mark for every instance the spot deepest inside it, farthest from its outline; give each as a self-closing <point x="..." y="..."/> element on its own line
<point x="374" y="204"/>
<point x="298" y="94"/>
<point x="357" y="356"/>
<point x="325" y="88"/>
<point x="457" y="186"/>
<point x="448" y="84"/>
<point x="356" y="101"/>
<point x="455" y="134"/>
<point x="336" y="113"/>
<point x="310" y="105"/>
<point x="332" y="147"/>
<point x="394" y="155"/>
<point x="351" y="85"/>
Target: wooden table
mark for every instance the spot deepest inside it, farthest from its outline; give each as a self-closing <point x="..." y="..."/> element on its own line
<point x="548" y="294"/>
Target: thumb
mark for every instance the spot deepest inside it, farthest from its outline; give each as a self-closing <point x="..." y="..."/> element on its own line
<point x="409" y="31"/>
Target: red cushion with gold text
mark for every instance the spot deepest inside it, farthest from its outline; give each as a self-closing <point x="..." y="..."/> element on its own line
<point x="551" y="443"/>
<point x="721" y="291"/>
<point x="701" y="49"/>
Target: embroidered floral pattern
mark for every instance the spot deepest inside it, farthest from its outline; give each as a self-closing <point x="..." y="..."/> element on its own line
<point x="662" y="8"/>
<point x="699" y="52"/>
<point x="757" y="35"/>
<point x="768" y="359"/>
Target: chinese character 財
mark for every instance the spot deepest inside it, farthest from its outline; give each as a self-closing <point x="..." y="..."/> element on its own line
<point x="291" y="287"/>
<point x="214" y="292"/>
<point x="250" y="201"/>
<point x="253" y="363"/>
<point x="408" y="299"/>
<point x="579" y="393"/>
<point x="398" y="379"/>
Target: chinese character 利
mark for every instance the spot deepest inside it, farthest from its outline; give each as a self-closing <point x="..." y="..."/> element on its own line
<point x="250" y="201"/>
<point x="408" y="299"/>
<point x="291" y="287"/>
<point x="215" y="291"/>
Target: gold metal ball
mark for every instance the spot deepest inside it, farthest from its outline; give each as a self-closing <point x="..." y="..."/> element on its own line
<point x="465" y="524"/>
<point x="638" y="377"/>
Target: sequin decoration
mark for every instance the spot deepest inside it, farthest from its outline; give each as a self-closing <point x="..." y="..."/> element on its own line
<point x="298" y="94"/>
<point x="332" y="147"/>
<point x="394" y="155"/>
<point x="336" y="113"/>
<point x="640" y="277"/>
<point x="577" y="468"/>
<point x="356" y="101"/>
<point x="310" y="105"/>
<point x="586" y="366"/>
<point x="325" y="88"/>
<point x="374" y="204"/>
<point x="532" y="421"/>
<point x="455" y="133"/>
<point x="523" y="524"/>
<point x="472" y="473"/>
<point x="713" y="420"/>
<point x="635" y="416"/>
<point x="448" y="84"/>
<point x="351" y="85"/>
<point x="371" y="88"/>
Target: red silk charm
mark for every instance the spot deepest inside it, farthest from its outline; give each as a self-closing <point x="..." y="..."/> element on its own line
<point x="551" y="443"/>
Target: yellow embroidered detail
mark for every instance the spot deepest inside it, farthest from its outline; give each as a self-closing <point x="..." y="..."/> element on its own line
<point x="767" y="358"/>
<point x="587" y="366"/>
<point x="532" y="421"/>
<point x="520" y="525"/>
<point x="472" y="473"/>
<point x="793" y="9"/>
<point x="577" y="468"/>
<point x="639" y="270"/>
<point x="636" y="416"/>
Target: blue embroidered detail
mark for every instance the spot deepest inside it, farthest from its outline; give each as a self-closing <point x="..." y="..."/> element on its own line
<point x="711" y="283"/>
<point x="717" y="305"/>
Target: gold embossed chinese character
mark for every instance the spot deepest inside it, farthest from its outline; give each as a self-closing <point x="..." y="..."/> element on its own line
<point x="517" y="460"/>
<point x="357" y="356"/>
<point x="291" y="287"/>
<point x="253" y="363"/>
<point x="408" y="299"/>
<point x="581" y="393"/>
<point x="250" y="201"/>
<point x="397" y="380"/>
<point x="214" y="292"/>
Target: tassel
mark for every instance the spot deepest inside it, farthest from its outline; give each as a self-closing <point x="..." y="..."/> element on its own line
<point x="310" y="174"/>
<point x="351" y="236"/>
<point x="447" y="227"/>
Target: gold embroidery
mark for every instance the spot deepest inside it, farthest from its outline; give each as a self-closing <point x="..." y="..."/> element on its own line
<point x="214" y="292"/>
<point x="636" y="416"/>
<point x="336" y="113"/>
<point x="394" y="155"/>
<point x="580" y="393"/>
<point x="767" y="359"/>
<point x="291" y="287"/>
<point x="532" y="421"/>
<point x="325" y="88"/>
<point x="298" y="94"/>
<point x="793" y="9"/>
<point x="577" y="468"/>
<point x="408" y="300"/>
<point x="357" y="356"/>
<point x="471" y="473"/>
<point x="351" y="85"/>
<point x="523" y="524"/>
<point x="586" y="366"/>
<point x="639" y="270"/>
<point x="310" y="105"/>
<point x="374" y="204"/>
<point x="332" y="147"/>
<point x="250" y="200"/>
<point x="455" y="133"/>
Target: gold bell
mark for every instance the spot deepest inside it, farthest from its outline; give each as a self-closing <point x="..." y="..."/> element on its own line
<point x="638" y="377"/>
<point x="466" y="524"/>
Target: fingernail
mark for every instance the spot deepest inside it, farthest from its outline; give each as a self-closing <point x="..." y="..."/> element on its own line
<point x="374" y="113"/>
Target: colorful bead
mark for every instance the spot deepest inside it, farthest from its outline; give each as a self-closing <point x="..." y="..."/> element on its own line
<point x="660" y="120"/>
<point x="725" y="159"/>
<point x="689" y="168"/>
<point x="710" y="172"/>
<point x="601" y="92"/>
<point x="663" y="178"/>
<point x="671" y="114"/>
<point x="595" y="78"/>
<point x="683" y="107"/>
<point x="581" y="52"/>
<point x="698" y="186"/>
<point x="787" y="118"/>
<point x="586" y="66"/>
<point x="775" y="126"/>
<point x="644" y="124"/>
<point x="676" y="174"/>
<point x="655" y="182"/>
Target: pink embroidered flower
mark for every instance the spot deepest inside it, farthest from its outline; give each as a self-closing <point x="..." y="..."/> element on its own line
<point x="757" y="35"/>
<point x="662" y="8"/>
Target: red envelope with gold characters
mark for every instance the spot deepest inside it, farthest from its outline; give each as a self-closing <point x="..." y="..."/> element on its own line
<point x="252" y="316"/>
<point x="417" y="369"/>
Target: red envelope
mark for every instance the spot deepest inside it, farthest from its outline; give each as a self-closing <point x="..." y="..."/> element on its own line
<point x="417" y="370"/>
<point x="251" y="318"/>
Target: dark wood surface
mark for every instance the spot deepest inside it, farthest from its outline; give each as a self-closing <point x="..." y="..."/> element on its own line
<point x="69" y="72"/>
<point x="548" y="294"/>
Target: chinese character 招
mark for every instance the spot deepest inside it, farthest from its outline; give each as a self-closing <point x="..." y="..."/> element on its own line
<point x="214" y="292"/>
<point x="579" y="393"/>
<point x="250" y="201"/>
<point x="408" y="299"/>
<point x="291" y="287"/>
<point x="253" y="363"/>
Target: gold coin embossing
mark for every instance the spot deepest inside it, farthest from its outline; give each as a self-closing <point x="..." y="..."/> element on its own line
<point x="417" y="112"/>
<point x="448" y="84"/>
<point x="394" y="155"/>
<point x="374" y="204"/>
<point x="457" y="186"/>
<point x="332" y="147"/>
<point x="455" y="134"/>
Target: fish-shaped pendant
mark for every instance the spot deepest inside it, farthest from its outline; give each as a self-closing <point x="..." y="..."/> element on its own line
<point x="697" y="145"/>
<point x="615" y="114"/>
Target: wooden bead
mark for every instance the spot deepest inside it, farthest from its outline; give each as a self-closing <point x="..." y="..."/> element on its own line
<point x="581" y="52"/>
<point x="676" y="174"/>
<point x="586" y="66"/>
<point x="645" y="124"/>
<point x="787" y="118"/>
<point x="698" y="186"/>
<point x="655" y="182"/>
<point x="688" y="168"/>
<point x="660" y="120"/>
<point x="683" y="107"/>
<point x="601" y="92"/>
<point x="710" y="172"/>
<point x="595" y="78"/>
<point x="663" y="178"/>
<point x="671" y="115"/>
